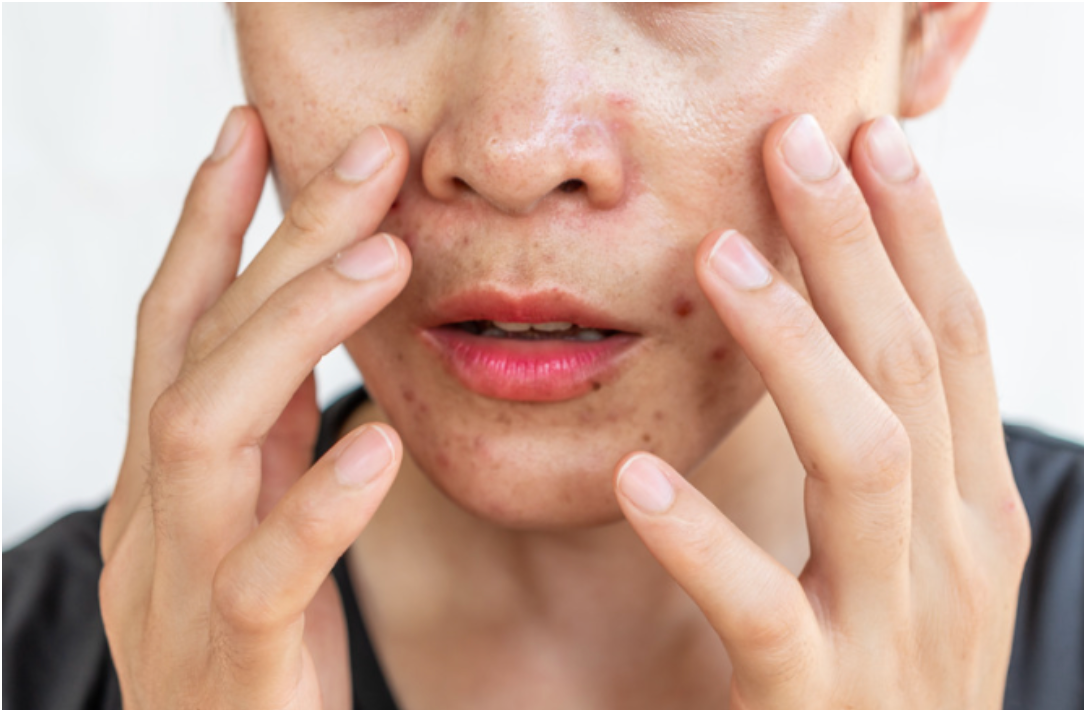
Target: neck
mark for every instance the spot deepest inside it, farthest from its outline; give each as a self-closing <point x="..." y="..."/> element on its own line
<point x="423" y="560"/>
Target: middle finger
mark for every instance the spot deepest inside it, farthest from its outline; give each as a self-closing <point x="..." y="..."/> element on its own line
<point x="860" y="298"/>
<point x="340" y="205"/>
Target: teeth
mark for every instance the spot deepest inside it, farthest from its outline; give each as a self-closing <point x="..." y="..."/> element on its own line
<point x="524" y="327"/>
<point x="513" y="327"/>
<point x="551" y="327"/>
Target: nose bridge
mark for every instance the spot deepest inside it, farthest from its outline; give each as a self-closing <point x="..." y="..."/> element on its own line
<point x="521" y="122"/>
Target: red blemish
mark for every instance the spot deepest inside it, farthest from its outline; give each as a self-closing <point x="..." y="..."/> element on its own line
<point x="461" y="28"/>
<point x="682" y="307"/>
<point x="718" y="354"/>
<point x="394" y="206"/>
<point x="620" y="100"/>
<point x="658" y="415"/>
<point x="442" y="459"/>
<point x="408" y="395"/>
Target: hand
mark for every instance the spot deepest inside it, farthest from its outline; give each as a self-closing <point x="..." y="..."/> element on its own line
<point x="216" y="590"/>
<point x="918" y="535"/>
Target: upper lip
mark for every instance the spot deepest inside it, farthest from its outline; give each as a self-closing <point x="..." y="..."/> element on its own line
<point x="549" y="306"/>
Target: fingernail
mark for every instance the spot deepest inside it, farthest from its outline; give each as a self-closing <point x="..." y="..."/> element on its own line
<point x="368" y="259"/>
<point x="365" y="155"/>
<point x="807" y="151"/>
<point x="643" y="482"/>
<point x="369" y="454"/>
<point x="737" y="261"/>
<point x="230" y="134"/>
<point x="888" y="150"/>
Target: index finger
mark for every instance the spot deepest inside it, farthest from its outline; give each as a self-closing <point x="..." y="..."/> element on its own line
<point x="199" y="264"/>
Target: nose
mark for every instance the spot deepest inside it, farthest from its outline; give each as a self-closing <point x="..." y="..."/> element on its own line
<point x="523" y="123"/>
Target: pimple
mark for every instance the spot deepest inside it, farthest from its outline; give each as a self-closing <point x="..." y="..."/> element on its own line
<point x="718" y="354"/>
<point x="682" y="307"/>
<point x="408" y="395"/>
<point x="461" y="28"/>
<point x="620" y="100"/>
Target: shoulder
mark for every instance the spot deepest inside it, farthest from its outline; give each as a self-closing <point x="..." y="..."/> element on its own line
<point x="52" y="627"/>
<point x="1047" y="667"/>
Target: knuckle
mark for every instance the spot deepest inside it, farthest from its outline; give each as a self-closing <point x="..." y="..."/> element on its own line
<point x="308" y="219"/>
<point x="849" y="223"/>
<point x="778" y="633"/>
<point x="883" y="462"/>
<point x="960" y="325"/>
<point x="303" y="307"/>
<point x="178" y="427"/>
<point x="797" y="326"/>
<point x="1014" y="528"/>
<point x="910" y="362"/>
<point x="309" y="527"/>
<point x="239" y="603"/>
<point x="158" y="311"/>
<point x="206" y="334"/>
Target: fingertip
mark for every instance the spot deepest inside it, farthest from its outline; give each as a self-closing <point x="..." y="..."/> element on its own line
<point x="645" y="481"/>
<point x="366" y="454"/>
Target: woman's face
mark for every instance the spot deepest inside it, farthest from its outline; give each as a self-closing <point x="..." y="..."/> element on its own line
<point x="561" y="156"/>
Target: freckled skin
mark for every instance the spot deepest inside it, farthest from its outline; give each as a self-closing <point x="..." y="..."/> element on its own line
<point x="661" y="125"/>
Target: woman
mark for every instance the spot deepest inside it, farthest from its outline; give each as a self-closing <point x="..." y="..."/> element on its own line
<point x="571" y="253"/>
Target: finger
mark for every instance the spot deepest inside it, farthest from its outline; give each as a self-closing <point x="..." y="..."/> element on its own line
<point x="909" y="220"/>
<point x="287" y="450"/>
<point x="263" y="587"/>
<point x="856" y="452"/>
<point x="342" y="204"/>
<point x="199" y="264"/>
<point x="757" y="606"/>
<point x="860" y="299"/>
<point x="207" y="429"/>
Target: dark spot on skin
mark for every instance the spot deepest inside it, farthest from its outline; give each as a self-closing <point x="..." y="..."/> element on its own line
<point x="408" y="395"/>
<point x="718" y="354"/>
<point x="682" y="307"/>
<point x="617" y="50"/>
<point x="645" y="438"/>
<point x="394" y="206"/>
<point x="595" y="385"/>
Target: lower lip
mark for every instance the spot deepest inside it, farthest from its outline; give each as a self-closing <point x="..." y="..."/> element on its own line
<point x="528" y="370"/>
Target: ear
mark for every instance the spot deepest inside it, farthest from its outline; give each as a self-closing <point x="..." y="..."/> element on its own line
<point x="941" y="35"/>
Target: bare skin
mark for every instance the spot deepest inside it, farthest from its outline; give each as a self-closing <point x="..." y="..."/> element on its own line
<point x="854" y="540"/>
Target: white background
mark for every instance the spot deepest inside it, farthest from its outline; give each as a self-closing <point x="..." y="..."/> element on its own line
<point x="108" y="110"/>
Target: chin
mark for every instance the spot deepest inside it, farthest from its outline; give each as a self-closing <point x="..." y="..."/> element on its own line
<point x="550" y="467"/>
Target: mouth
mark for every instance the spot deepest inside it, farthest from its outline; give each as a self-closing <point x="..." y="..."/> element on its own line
<point x="530" y="348"/>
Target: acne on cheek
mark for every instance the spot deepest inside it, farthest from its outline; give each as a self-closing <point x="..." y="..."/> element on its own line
<point x="682" y="307"/>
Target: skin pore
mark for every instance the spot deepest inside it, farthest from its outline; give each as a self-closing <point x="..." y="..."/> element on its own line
<point x="542" y="156"/>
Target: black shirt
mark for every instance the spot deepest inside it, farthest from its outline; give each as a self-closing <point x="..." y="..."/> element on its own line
<point x="56" y="657"/>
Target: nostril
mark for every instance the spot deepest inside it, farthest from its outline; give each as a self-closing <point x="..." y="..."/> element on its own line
<point x="570" y="185"/>
<point x="460" y="184"/>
